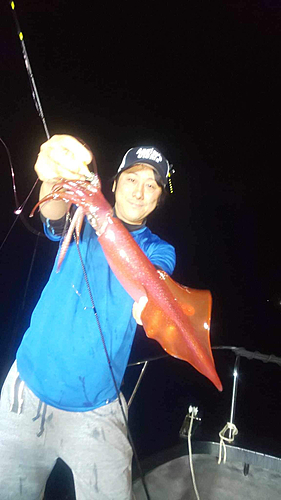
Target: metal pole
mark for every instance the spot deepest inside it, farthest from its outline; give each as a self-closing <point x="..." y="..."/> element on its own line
<point x="234" y="392"/>
<point x="138" y="383"/>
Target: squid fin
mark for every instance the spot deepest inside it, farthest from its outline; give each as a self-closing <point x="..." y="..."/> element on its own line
<point x="186" y="335"/>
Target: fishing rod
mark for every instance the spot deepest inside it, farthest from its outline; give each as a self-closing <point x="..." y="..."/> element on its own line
<point x="19" y="208"/>
<point x="39" y="109"/>
<point x="36" y="99"/>
<point x="35" y="96"/>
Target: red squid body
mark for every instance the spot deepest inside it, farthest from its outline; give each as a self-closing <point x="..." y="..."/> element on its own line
<point x="176" y="316"/>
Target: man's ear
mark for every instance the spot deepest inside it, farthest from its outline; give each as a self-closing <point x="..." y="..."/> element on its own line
<point x="113" y="187"/>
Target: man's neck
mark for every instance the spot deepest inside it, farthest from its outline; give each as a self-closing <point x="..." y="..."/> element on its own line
<point x="131" y="227"/>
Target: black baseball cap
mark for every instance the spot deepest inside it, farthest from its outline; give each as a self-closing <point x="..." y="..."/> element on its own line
<point x="148" y="155"/>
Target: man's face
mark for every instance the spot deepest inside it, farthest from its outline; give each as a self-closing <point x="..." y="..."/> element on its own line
<point x="136" y="194"/>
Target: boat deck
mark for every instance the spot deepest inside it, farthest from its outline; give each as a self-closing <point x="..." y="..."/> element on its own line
<point x="172" y="481"/>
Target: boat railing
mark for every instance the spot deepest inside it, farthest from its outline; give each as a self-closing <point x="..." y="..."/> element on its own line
<point x="234" y="453"/>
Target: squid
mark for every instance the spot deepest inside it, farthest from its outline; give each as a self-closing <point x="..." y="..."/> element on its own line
<point x="177" y="316"/>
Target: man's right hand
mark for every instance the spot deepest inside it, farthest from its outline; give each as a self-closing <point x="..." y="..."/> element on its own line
<point x="65" y="157"/>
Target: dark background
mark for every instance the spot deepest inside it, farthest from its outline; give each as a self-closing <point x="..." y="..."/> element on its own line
<point x="201" y="81"/>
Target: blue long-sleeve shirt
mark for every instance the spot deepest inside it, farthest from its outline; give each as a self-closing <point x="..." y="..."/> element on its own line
<point x="61" y="357"/>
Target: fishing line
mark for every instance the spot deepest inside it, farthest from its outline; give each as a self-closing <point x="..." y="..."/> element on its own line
<point x="29" y="273"/>
<point x="18" y="211"/>
<point x="12" y="171"/>
<point x="39" y="109"/>
<point x="111" y="371"/>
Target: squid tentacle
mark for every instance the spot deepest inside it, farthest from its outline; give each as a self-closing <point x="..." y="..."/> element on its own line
<point x="79" y="193"/>
<point x="75" y="224"/>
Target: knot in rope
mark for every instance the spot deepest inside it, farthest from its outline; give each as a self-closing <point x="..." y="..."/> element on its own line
<point x="233" y="432"/>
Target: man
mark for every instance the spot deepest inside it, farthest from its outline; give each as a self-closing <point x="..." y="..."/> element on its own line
<point x="61" y="391"/>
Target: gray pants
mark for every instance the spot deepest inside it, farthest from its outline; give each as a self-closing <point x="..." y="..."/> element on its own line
<point x="94" y="444"/>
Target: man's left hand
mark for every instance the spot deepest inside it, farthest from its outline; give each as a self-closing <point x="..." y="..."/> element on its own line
<point x="138" y="307"/>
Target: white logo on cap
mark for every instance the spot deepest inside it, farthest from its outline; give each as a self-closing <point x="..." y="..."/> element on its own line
<point x="149" y="154"/>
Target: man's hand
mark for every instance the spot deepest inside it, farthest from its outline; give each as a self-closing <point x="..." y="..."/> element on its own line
<point x="63" y="156"/>
<point x="138" y="307"/>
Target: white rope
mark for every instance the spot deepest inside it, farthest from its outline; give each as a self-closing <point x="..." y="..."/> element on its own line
<point x="193" y="411"/>
<point x="233" y="432"/>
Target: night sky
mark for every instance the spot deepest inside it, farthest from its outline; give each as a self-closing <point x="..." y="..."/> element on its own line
<point x="200" y="81"/>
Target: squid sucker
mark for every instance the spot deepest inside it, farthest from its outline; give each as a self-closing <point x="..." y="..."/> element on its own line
<point x="176" y="316"/>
